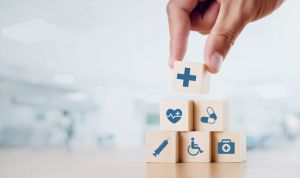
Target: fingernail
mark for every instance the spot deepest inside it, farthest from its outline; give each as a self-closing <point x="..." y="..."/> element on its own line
<point x="215" y="61"/>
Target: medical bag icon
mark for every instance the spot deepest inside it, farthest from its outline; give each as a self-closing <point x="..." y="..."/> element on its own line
<point x="226" y="146"/>
<point x="211" y="118"/>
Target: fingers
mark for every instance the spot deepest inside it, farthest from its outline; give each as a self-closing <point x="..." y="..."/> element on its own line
<point x="266" y="7"/>
<point x="228" y="26"/>
<point x="204" y="21"/>
<point x="179" y="27"/>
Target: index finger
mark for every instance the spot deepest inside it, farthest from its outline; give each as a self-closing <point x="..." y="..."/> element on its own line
<point x="179" y="27"/>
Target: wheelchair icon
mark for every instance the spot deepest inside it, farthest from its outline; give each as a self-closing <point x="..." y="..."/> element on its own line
<point x="194" y="149"/>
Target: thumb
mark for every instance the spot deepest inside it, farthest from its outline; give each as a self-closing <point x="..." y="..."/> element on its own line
<point x="228" y="26"/>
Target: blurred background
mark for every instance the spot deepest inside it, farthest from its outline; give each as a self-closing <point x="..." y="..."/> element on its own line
<point x="91" y="73"/>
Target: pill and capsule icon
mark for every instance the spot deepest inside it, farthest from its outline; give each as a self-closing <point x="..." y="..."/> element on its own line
<point x="211" y="118"/>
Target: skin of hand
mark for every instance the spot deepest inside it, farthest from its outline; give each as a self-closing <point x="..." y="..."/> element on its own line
<point x="222" y="20"/>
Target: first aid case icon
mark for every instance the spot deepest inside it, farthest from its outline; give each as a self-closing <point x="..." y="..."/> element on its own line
<point x="226" y="146"/>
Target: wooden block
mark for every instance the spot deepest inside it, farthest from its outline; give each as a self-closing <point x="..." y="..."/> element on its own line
<point x="190" y="77"/>
<point x="211" y="115"/>
<point x="200" y="151"/>
<point x="228" y="146"/>
<point x="162" y="147"/>
<point x="194" y="170"/>
<point x="176" y="115"/>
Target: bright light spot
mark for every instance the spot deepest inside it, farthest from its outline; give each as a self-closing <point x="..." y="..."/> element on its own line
<point x="64" y="78"/>
<point x="292" y="122"/>
<point x="32" y="31"/>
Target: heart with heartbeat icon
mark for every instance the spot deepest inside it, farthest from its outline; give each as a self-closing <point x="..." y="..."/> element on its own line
<point x="174" y="115"/>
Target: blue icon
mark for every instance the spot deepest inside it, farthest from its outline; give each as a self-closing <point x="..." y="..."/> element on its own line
<point x="186" y="77"/>
<point x="212" y="116"/>
<point x="226" y="146"/>
<point x="194" y="149"/>
<point x="161" y="147"/>
<point x="174" y="115"/>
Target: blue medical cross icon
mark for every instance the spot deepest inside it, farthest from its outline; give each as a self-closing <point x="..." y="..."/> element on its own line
<point x="186" y="77"/>
<point x="226" y="147"/>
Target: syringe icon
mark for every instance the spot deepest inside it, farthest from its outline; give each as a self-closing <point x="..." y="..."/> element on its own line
<point x="161" y="147"/>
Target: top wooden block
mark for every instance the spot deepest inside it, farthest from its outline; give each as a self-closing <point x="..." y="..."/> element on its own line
<point x="190" y="77"/>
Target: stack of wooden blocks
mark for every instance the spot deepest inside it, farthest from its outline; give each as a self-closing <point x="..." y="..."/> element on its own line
<point x="194" y="130"/>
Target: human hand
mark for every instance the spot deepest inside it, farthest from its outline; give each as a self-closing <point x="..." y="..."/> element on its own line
<point x="223" y="20"/>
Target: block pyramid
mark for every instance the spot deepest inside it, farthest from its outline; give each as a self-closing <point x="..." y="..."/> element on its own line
<point x="194" y="130"/>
